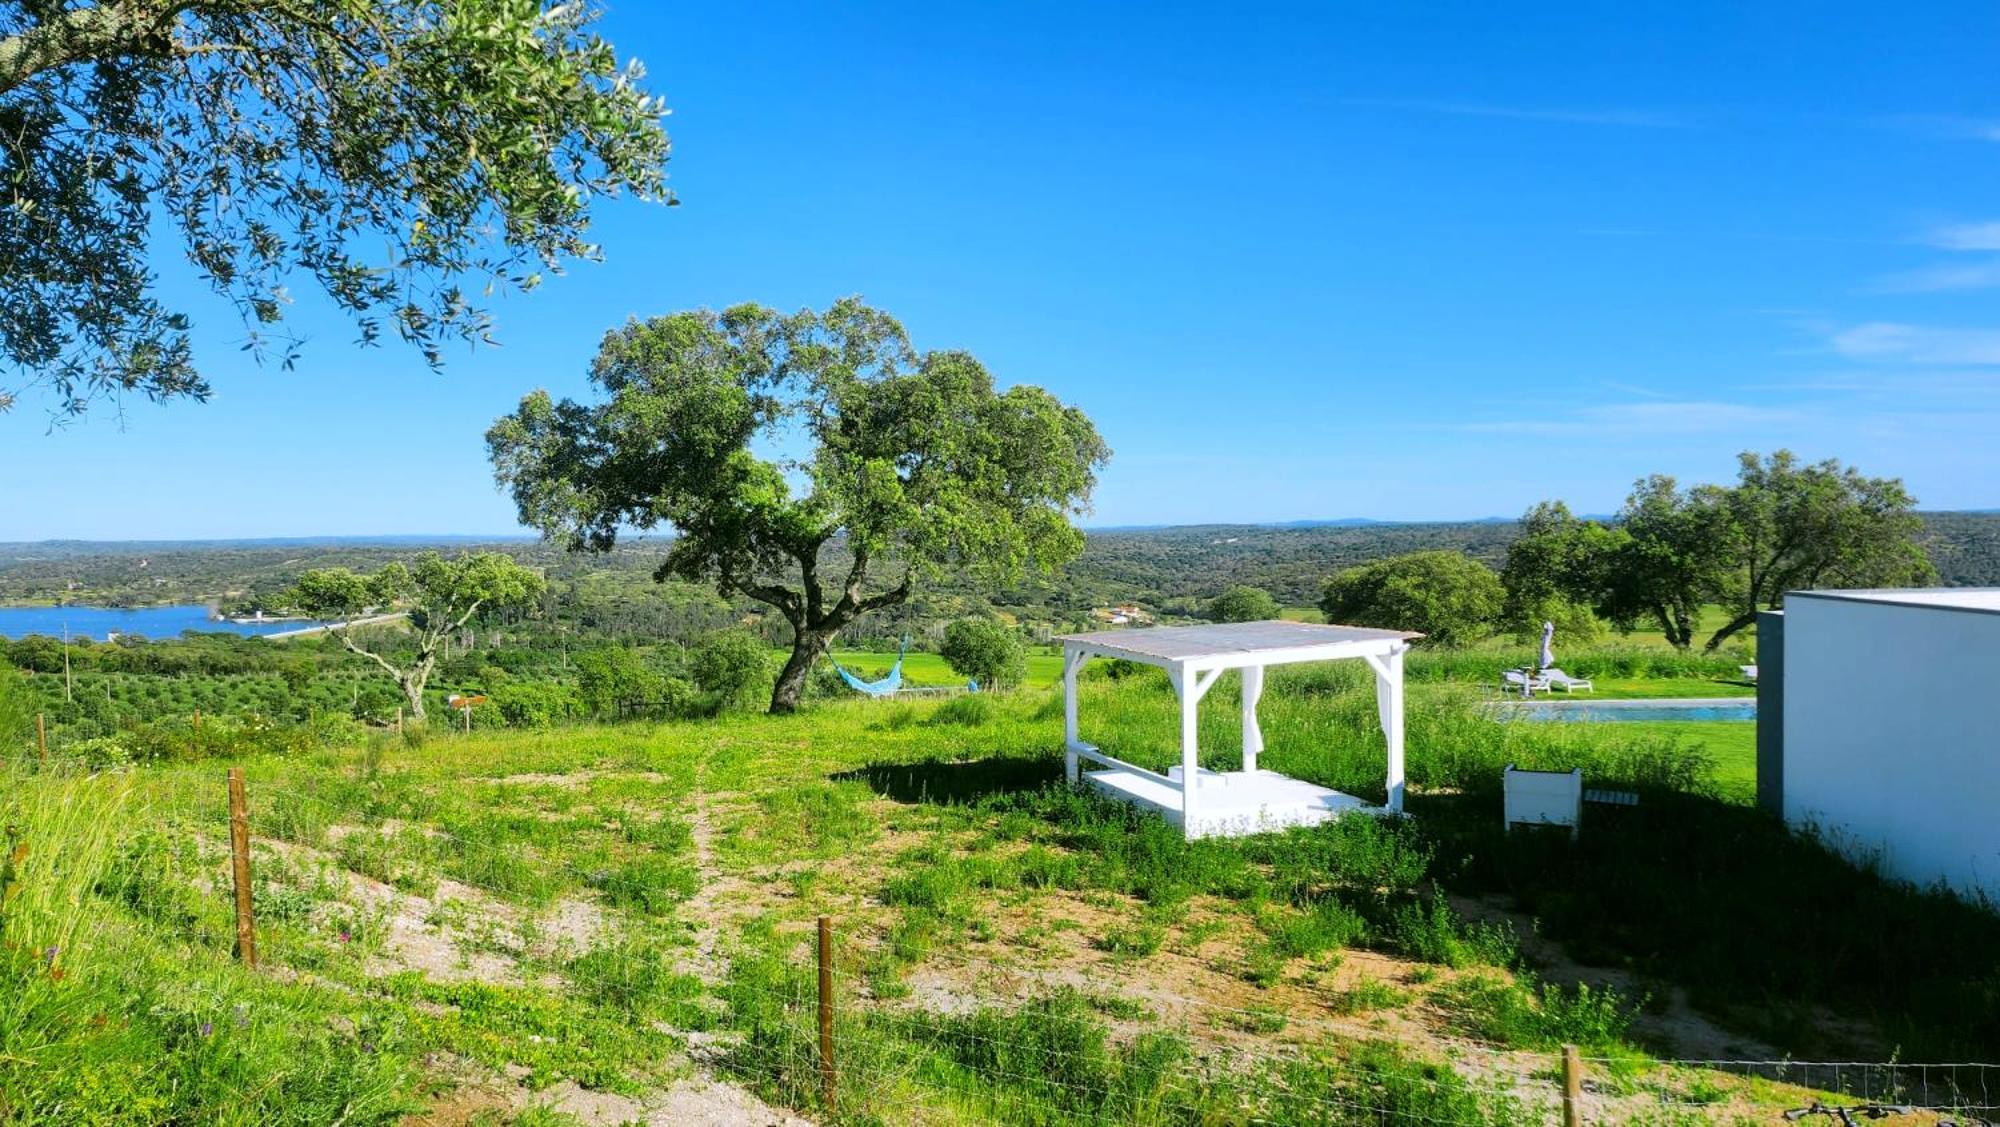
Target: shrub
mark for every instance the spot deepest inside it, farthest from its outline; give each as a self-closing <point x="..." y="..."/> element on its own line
<point x="987" y="651"/>
<point x="17" y="712"/>
<point x="1450" y="597"/>
<point x="535" y="704"/>
<point x="733" y="666"/>
<point x="1530" y="1016"/>
<point x="609" y="677"/>
<point x="969" y="711"/>
<point x="1242" y="604"/>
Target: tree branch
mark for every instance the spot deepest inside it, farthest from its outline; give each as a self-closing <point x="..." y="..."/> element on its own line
<point x="341" y="633"/>
<point x="888" y="598"/>
<point x="75" y="35"/>
<point x="783" y="598"/>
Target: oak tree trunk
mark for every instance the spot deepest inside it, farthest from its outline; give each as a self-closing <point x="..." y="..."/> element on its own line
<point x="808" y="646"/>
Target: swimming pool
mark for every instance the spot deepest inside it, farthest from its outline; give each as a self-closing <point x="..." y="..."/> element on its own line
<point x="1632" y="710"/>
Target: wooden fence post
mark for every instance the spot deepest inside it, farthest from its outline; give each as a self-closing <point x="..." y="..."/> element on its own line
<point x="826" y="1074"/>
<point x="1572" y="1087"/>
<point x="41" y="737"/>
<point x="239" y="850"/>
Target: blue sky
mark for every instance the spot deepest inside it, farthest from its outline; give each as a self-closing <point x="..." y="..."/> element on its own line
<point x="1394" y="261"/>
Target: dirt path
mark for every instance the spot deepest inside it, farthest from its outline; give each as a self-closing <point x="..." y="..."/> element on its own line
<point x="705" y="906"/>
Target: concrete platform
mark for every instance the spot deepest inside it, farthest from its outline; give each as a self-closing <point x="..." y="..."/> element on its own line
<point x="1232" y="803"/>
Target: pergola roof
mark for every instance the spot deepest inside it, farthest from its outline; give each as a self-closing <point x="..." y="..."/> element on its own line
<point x="1234" y="643"/>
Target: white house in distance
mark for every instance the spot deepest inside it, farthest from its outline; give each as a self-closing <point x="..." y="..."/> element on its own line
<point x="1889" y="707"/>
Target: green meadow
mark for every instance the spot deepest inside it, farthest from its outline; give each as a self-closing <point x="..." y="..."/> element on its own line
<point x="571" y="925"/>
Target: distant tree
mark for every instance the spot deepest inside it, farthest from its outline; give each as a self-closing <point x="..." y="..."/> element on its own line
<point x="733" y="666"/>
<point x="440" y="595"/>
<point x="1555" y="571"/>
<point x="987" y="651"/>
<point x="389" y="150"/>
<point x="1450" y="597"/>
<point x="1669" y="560"/>
<point x="614" y="675"/>
<point x="1792" y="526"/>
<point x="1242" y="604"/>
<point x="886" y="461"/>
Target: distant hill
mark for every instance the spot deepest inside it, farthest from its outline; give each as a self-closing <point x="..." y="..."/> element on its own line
<point x="1171" y="568"/>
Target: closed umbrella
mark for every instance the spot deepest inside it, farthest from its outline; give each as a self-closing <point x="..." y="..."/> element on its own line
<point x="1548" y="658"/>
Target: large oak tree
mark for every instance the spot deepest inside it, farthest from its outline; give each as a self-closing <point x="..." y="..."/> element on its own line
<point x="813" y="462"/>
<point x="403" y="156"/>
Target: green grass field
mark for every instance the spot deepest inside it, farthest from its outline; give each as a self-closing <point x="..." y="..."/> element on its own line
<point x="516" y="927"/>
<point x="1732" y="744"/>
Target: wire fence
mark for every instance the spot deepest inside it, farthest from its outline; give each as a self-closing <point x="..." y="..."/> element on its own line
<point x="819" y="1035"/>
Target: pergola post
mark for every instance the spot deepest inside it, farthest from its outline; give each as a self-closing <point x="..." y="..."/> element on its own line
<point x="1072" y="662"/>
<point x="1253" y="734"/>
<point x="1389" y="703"/>
<point x="1186" y="689"/>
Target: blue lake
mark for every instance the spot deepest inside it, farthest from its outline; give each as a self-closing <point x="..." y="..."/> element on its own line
<point x="100" y="623"/>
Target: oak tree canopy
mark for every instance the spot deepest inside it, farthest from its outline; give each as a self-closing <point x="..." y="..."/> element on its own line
<point x="405" y="157"/>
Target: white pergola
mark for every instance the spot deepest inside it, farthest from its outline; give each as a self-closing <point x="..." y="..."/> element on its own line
<point x="1212" y="803"/>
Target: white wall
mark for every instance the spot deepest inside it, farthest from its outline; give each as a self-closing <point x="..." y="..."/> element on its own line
<point x="1892" y="734"/>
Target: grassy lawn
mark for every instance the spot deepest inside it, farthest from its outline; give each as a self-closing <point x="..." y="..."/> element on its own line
<point x="576" y="918"/>
<point x="1732" y="744"/>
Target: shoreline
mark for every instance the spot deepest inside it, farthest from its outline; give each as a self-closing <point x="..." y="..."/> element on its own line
<point x="371" y="620"/>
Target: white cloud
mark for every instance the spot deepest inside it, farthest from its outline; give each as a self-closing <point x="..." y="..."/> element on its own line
<point x="1628" y="419"/>
<point x="1641" y="119"/>
<point x="1936" y="279"/>
<point x="1940" y="125"/>
<point x="1966" y="236"/>
<point x="1917" y="344"/>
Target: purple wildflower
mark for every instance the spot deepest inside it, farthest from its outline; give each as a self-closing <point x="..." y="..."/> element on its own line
<point x="207" y="1027"/>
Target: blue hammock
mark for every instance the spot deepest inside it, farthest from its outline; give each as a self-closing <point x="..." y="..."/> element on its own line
<point x="887" y="686"/>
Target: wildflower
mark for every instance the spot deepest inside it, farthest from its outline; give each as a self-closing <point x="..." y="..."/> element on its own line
<point x="346" y="938"/>
<point x="51" y="953"/>
<point x="242" y="1017"/>
<point x="207" y="1027"/>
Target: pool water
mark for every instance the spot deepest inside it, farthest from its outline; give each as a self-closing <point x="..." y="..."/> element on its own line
<point x="1638" y="710"/>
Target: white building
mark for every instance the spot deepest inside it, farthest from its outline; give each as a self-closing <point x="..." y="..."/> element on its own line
<point x="1889" y="707"/>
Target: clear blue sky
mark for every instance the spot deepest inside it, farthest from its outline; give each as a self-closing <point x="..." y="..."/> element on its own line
<point x="1395" y="261"/>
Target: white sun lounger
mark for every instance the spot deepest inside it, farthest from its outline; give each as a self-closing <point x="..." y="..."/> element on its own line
<point x="1749" y="672"/>
<point x="1557" y="679"/>
<point x="1511" y="681"/>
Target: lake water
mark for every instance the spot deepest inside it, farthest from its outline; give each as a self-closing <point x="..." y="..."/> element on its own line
<point x="99" y="623"/>
<point x="1637" y="710"/>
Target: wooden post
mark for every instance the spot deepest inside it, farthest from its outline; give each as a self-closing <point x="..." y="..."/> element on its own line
<point x="1572" y="1087"/>
<point x="239" y="850"/>
<point x="41" y="737"/>
<point x="826" y="1011"/>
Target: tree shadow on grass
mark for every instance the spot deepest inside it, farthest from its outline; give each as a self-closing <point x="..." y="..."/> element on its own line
<point x="952" y="782"/>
